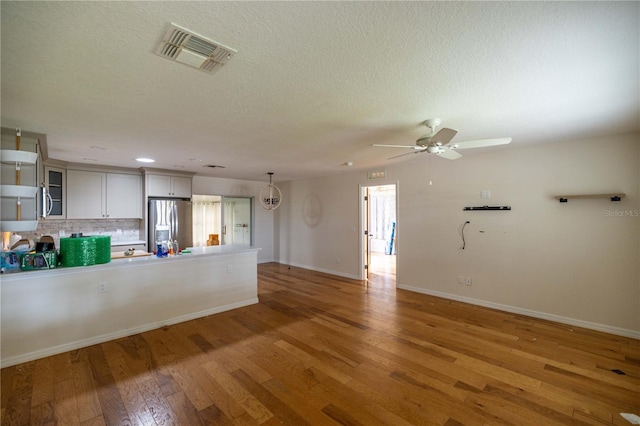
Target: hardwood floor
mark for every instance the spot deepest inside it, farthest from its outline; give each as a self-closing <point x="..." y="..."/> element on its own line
<point x="325" y="350"/>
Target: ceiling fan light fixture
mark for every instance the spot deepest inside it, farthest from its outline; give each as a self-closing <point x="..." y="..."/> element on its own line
<point x="439" y="143"/>
<point x="423" y="141"/>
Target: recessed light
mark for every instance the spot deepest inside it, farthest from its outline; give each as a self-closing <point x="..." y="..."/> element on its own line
<point x="145" y="160"/>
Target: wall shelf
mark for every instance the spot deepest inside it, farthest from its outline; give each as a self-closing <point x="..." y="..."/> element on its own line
<point x="18" y="225"/>
<point x="614" y="196"/>
<point x="18" y="191"/>
<point x="14" y="156"/>
<point x="485" y="208"/>
<point x="19" y="200"/>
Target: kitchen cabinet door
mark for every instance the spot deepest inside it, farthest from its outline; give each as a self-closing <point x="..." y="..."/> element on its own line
<point x="124" y="196"/>
<point x="97" y="195"/>
<point x="86" y="194"/>
<point x="168" y="186"/>
<point x="55" y="183"/>
<point x="181" y="187"/>
<point x="158" y="185"/>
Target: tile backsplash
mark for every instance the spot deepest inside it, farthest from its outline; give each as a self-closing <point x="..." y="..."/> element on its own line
<point x="118" y="229"/>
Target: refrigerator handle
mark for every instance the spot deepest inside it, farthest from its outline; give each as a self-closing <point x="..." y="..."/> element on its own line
<point x="176" y="224"/>
<point x="173" y="221"/>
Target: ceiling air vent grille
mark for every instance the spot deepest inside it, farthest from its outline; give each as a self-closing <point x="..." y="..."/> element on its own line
<point x="189" y="48"/>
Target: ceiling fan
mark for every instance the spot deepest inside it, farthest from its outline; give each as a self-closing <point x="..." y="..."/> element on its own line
<point x="439" y="143"/>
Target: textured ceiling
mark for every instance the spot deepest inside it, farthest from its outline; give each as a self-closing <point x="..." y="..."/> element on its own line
<point x="314" y="84"/>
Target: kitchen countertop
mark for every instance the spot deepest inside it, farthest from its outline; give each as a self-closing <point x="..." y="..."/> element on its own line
<point x="134" y="261"/>
<point x="123" y="254"/>
<point x="126" y="242"/>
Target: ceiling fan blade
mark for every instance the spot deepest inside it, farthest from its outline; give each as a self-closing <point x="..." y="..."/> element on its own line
<point x="406" y="153"/>
<point x="399" y="146"/>
<point x="449" y="154"/>
<point x="480" y="143"/>
<point x="443" y="136"/>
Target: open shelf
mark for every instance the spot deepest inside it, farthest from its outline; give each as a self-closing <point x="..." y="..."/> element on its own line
<point x="18" y="225"/>
<point x="485" y="208"/>
<point x="614" y="196"/>
<point x="13" y="156"/>
<point x="18" y="191"/>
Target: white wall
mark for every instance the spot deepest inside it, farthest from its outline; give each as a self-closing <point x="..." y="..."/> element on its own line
<point x="318" y="224"/>
<point x="576" y="262"/>
<point x="264" y="222"/>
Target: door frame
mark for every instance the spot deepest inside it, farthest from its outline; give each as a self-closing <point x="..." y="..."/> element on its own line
<point x="363" y="217"/>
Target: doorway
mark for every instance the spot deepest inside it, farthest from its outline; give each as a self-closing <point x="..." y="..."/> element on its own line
<point x="222" y="220"/>
<point x="379" y="230"/>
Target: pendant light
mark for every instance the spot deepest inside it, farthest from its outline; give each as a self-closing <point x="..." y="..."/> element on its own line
<point x="270" y="195"/>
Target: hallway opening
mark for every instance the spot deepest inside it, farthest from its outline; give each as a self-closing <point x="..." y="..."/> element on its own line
<point x="379" y="230"/>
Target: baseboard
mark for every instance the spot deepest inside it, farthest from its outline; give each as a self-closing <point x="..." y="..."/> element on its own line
<point x="19" y="359"/>
<point x="326" y="271"/>
<point x="528" y="312"/>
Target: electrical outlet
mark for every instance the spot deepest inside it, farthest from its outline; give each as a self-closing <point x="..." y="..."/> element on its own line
<point x="468" y="281"/>
<point x="460" y="279"/>
<point x="229" y="268"/>
<point x="102" y="287"/>
<point x="61" y="233"/>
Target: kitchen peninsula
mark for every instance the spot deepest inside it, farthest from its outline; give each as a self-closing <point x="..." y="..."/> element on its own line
<point x="52" y="311"/>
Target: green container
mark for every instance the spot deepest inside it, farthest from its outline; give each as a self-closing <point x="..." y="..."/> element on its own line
<point x="103" y="249"/>
<point x="79" y="251"/>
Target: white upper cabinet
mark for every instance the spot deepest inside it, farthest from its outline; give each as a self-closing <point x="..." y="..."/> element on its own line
<point x="168" y="186"/>
<point x="86" y="194"/>
<point x="97" y="195"/>
<point x="124" y="196"/>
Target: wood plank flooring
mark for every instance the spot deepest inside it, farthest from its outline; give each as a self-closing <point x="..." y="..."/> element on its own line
<point x="324" y="350"/>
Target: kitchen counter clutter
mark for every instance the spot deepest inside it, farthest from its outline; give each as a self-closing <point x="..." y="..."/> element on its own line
<point x="46" y="312"/>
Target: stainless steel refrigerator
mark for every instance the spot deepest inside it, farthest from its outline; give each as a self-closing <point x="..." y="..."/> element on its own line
<point x="169" y="220"/>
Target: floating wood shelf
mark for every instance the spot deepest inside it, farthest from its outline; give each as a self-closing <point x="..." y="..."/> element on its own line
<point x="484" y="208"/>
<point x="617" y="196"/>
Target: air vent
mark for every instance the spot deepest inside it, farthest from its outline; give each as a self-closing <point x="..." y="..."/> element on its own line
<point x="189" y="48"/>
<point x="215" y="166"/>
